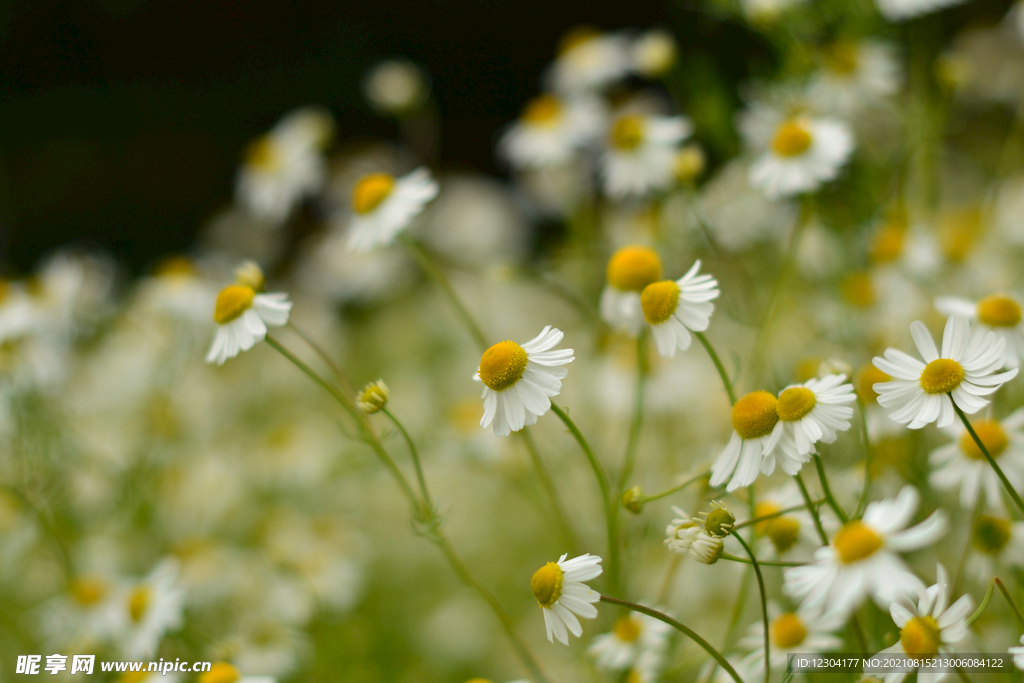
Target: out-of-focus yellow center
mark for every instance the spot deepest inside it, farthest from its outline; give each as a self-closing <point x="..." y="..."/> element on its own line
<point x="502" y="365"/>
<point x="546" y="584"/>
<point x="628" y="132"/>
<point x="689" y="164"/>
<point x="794" y="403"/>
<point x="856" y="541"/>
<point x="783" y="532"/>
<point x="263" y="155"/>
<point x="630" y="269"/>
<point x="544" y="110"/>
<point x="920" y="637"/>
<point x="370" y="191"/>
<point x="999" y="310"/>
<point x="232" y="302"/>
<point x="941" y="376"/>
<point x="88" y="590"/>
<point x="659" y="301"/>
<point x="138" y="602"/>
<point x="841" y="57"/>
<point x="887" y="244"/>
<point x="221" y="672"/>
<point x="627" y="629"/>
<point x="990" y="433"/>
<point x="174" y="266"/>
<point x="788" y="631"/>
<point x="762" y="509"/>
<point x="791" y="138"/>
<point x="858" y="289"/>
<point x="990" y="534"/>
<point x="754" y="416"/>
<point x="867" y="378"/>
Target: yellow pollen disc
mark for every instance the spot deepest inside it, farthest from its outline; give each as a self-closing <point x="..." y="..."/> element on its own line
<point x="542" y="111"/>
<point x="370" y="191"/>
<point x="920" y="637"/>
<point x="791" y="139"/>
<point x="856" y="541"/>
<point x="502" y="365"/>
<point x="88" y="591"/>
<point x="232" y="302"/>
<point x="659" y="301"/>
<point x="138" y="602"/>
<point x="941" y="376"/>
<point x="794" y="403"/>
<point x="999" y="310"/>
<point x="841" y="57"/>
<point x="858" y="289"/>
<point x="630" y="269"/>
<point x="628" y="132"/>
<point x="887" y="244"/>
<point x="546" y="584"/>
<point x="783" y="532"/>
<point x="626" y="629"/>
<point x="221" y="672"/>
<point x="263" y="155"/>
<point x="788" y="631"/>
<point x="990" y="433"/>
<point x="990" y="534"/>
<point x="754" y="416"/>
<point x="761" y="509"/>
<point x="867" y="378"/>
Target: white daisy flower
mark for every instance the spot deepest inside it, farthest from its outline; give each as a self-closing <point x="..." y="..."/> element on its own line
<point x="788" y="632"/>
<point x="1018" y="654"/>
<point x="808" y="413"/>
<point x="706" y="548"/>
<point x="672" y="309"/>
<point x="383" y="206"/>
<point x="588" y="60"/>
<point x="630" y="637"/>
<point x="995" y="542"/>
<point x="962" y="465"/>
<point x="803" y="153"/>
<point x="551" y="131"/>
<point x="862" y="559"/>
<point x="242" y="318"/>
<point x="630" y="270"/>
<point x="754" y="418"/>
<point x="929" y="628"/>
<point x="855" y="74"/>
<point x="149" y="609"/>
<point x="640" y="155"/>
<point x="964" y="369"/>
<point x="223" y="672"/>
<point x="999" y="313"/>
<point x="653" y="53"/>
<point x="562" y="595"/>
<point x="901" y="10"/>
<point x="519" y="381"/>
<point x="681" y="532"/>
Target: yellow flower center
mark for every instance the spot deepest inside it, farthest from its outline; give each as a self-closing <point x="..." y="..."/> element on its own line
<point x="788" y="631"/>
<point x="791" y="139"/>
<point x="630" y="269"/>
<point x="221" y="672"/>
<point x="628" y="132"/>
<point x="88" y="591"/>
<point x="887" y="244"/>
<point x="761" y="509"/>
<point x="990" y="433"/>
<point x="867" y="378"/>
<point x="546" y="584"/>
<point x="232" y="302"/>
<point x="370" y="191"/>
<point x="990" y="534"/>
<point x="783" y="532"/>
<point x="502" y="365"/>
<point x="920" y="636"/>
<point x="841" y="57"/>
<point x="262" y="155"/>
<point x="689" y="164"/>
<point x="794" y="403"/>
<point x="543" y="111"/>
<point x="941" y="376"/>
<point x="138" y="602"/>
<point x="626" y="629"/>
<point x="754" y="416"/>
<point x="856" y="541"/>
<point x="174" y="266"/>
<point x="659" y="301"/>
<point x="999" y="310"/>
<point x="858" y="289"/>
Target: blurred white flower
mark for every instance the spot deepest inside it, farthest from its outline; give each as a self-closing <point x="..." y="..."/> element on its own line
<point x="630" y="270"/>
<point x="999" y="313"/>
<point x="147" y="609"/>
<point x="631" y="636"/>
<point x="640" y="153"/>
<point x="960" y="464"/>
<point x="788" y="632"/>
<point x="803" y="153"/>
<point x="854" y="76"/>
<point x="383" y="206"/>
<point x="653" y="53"/>
<point x="589" y="60"/>
<point x="551" y="131"/>
<point x="396" y="86"/>
<point x="901" y="10"/>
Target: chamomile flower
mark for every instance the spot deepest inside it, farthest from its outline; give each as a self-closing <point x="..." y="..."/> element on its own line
<point x="551" y="131"/>
<point x="519" y="381"/>
<point x="808" y="413"/>
<point x="788" y="632"/>
<point x="562" y="595"/>
<point x="589" y="60"/>
<point x="149" y="609"/>
<point x="931" y="627"/>
<point x="674" y="308"/>
<point x="640" y="155"/>
<point x="901" y="10"/>
<point x="223" y="672"/>
<point x="999" y="313"/>
<point x="995" y="542"/>
<point x="630" y="270"/>
<point x="862" y="559"/>
<point x="855" y="74"/>
<point x="631" y="636"/>
<point x="653" y="53"/>
<point x="754" y="418"/>
<point x="242" y="318"/>
<point x="681" y="532"/>
<point x="962" y="465"/>
<point x="964" y="369"/>
<point x="803" y="153"/>
<point x="383" y="206"/>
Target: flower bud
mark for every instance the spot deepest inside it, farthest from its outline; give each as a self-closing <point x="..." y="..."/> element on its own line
<point x="373" y="397"/>
<point x="719" y="521"/>
<point x="706" y="548"/>
<point x="633" y="499"/>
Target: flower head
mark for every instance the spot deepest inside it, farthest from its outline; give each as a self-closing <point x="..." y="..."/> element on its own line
<point x="998" y="313"/>
<point x="803" y="153"/>
<point x="551" y="131"/>
<point x="631" y="636"/>
<point x="808" y="413"/>
<point x="673" y="308"/>
<point x="373" y="397"/>
<point x="629" y="271"/>
<point x="561" y="593"/>
<point x="640" y="153"/>
<point x="242" y="318"/>
<point x="383" y="206"/>
<point x="754" y="418"/>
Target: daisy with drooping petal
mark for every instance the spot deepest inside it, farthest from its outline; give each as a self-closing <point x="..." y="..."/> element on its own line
<point x="562" y="595"/>
<point x="588" y="60"/>
<point x="383" y="206"/>
<point x="551" y="131"/>
<point x="995" y="542"/>
<point x="808" y="413"/>
<point x="803" y="154"/>
<point x="631" y="636"/>
<point x="962" y="465"/>
<point x="998" y="313"/>
<point x="630" y="270"/>
<point x="519" y="381"/>
<point x="788" y="632"/>
<point x="242" y="318"/>
<point x="862" y="559"/>
<point x="929" y="628"/>
<point x="855" y="75"/>
<point x="672" y="309"/>
<point x="964" y="369"/>
<point x="753" y="420"/>
<point x="640" y="156"/>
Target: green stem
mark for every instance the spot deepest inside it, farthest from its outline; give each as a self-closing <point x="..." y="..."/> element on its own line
<point x="549" y="488"/>
<point x="863" y="501"/>
<point x="984" y="451"/>
<point x="676" y="488"/>
<point x="638" y="414"/>
<point x="984" y="603"/>
<point x="679" y="626"/>
<point x="343" y="379"/>
<point x="810" y="506"/>
<point x="764" y="608"/>
<point x="766" y="563"/>
<point x="1009" y="600"/>
<point x="718" y="366"/>
<point x="666" y="582"/>
<point x="827" y="490"/>
<point x="415" y="458"/>
<point x="762" y="518"/>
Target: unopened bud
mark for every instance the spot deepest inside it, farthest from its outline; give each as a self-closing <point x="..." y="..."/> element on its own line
<point x="249" y="274"/>
<point x="633" y="500"/>
<point x="719" y="521"/>
<point x="373" y="397"/>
